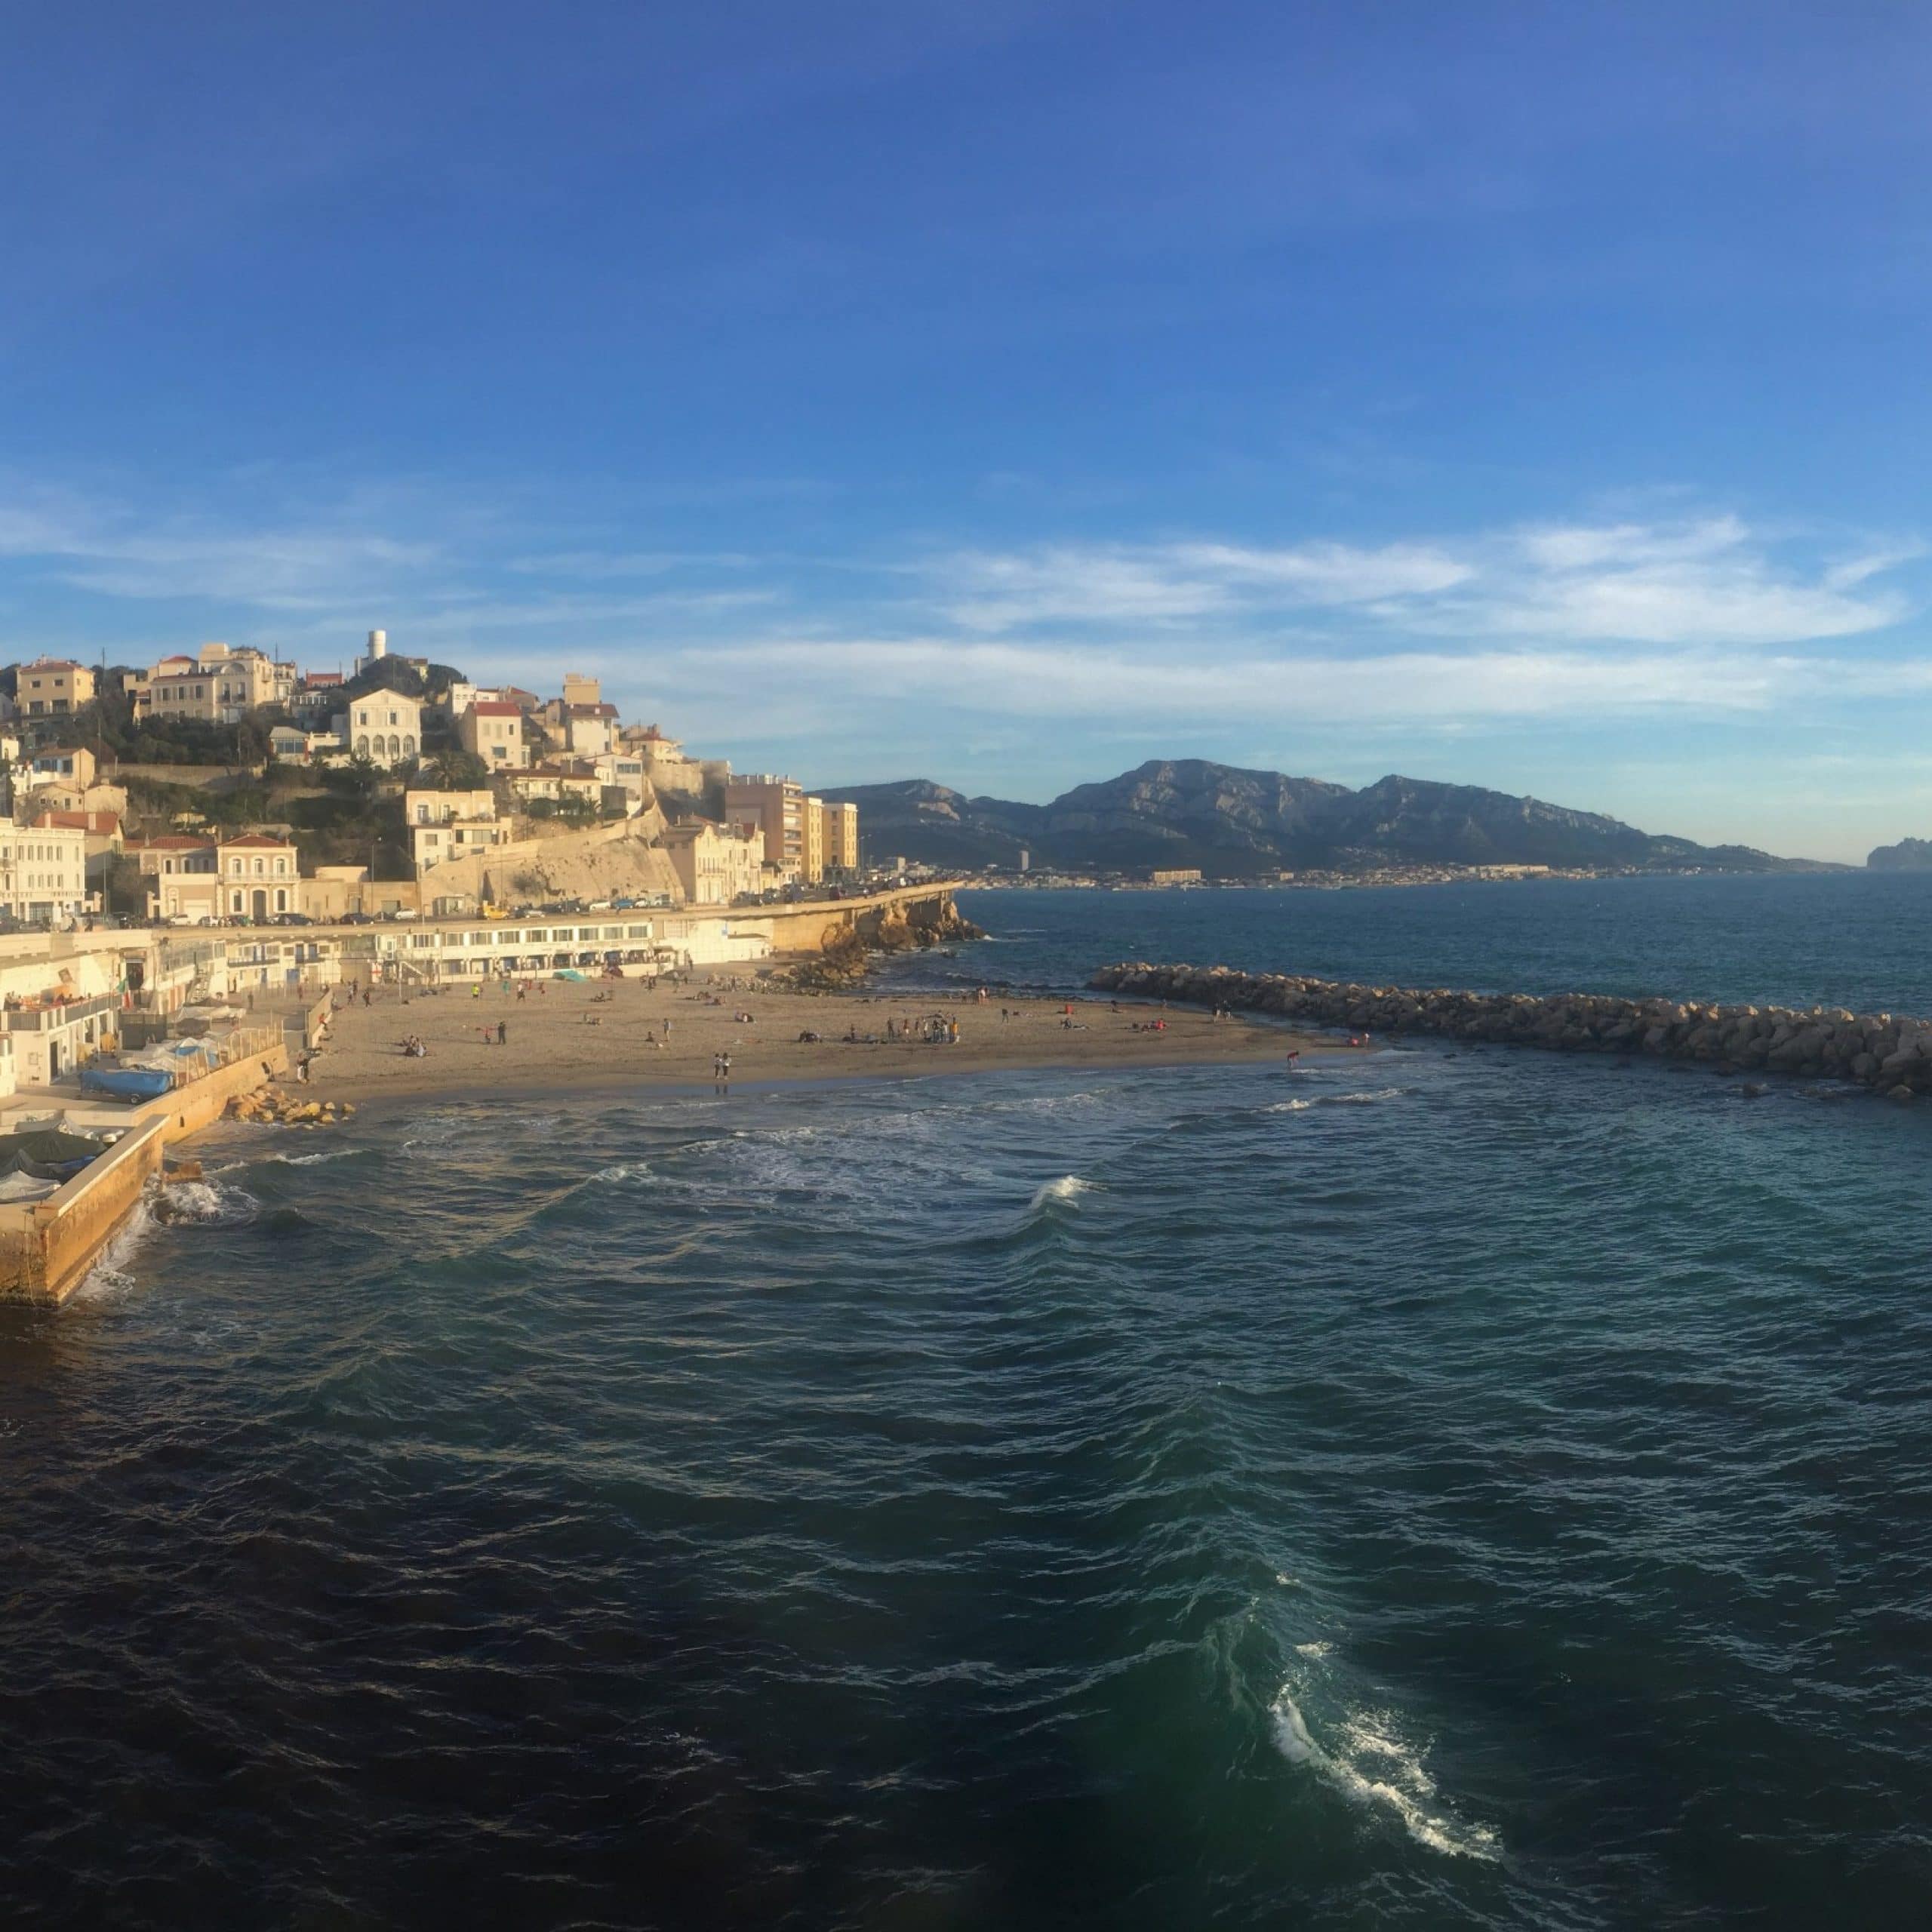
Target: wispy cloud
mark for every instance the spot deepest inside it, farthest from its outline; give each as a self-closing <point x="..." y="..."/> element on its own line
<point x="1695" y="582"/>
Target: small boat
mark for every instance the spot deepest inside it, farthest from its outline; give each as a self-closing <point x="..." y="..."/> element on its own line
<point x="126" y="1083"/>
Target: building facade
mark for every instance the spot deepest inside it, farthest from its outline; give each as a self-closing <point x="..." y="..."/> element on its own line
<point x="775" y="807"/>
<point x="189" y="880"/>
<point x="43" y="873"/>
<point x="450" y="825"/>
<point x="219" y="686"/>
<point x="492" y="729"/>
<point x="716" y="865"/>
<point x="841" y="840"/>
<point x="385" y="728"/>
<point x="54" y="687"/>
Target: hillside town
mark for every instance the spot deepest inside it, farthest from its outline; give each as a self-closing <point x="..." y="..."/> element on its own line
<point x="229" y="787"/>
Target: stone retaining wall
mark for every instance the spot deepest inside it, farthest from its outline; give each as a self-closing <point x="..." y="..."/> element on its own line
<point x="46" y="1247"/>
<point x="1884" y="1052"/>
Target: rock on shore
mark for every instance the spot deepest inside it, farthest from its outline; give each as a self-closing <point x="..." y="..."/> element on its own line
<point x="1887" y="1054"/>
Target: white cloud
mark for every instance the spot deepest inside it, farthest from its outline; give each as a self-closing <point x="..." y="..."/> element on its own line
<point x="1695" y="582"/>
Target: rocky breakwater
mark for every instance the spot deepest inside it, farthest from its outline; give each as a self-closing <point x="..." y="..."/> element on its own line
<point x="1879" y="1051"/>
<point x="271" y="1108"/>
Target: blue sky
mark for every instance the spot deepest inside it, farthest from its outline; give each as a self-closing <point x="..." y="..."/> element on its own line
<point x="1006" y="393"/>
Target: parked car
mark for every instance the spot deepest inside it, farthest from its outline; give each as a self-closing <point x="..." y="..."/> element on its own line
<point x="292" y="919"/>
<point x="357" y="919"/>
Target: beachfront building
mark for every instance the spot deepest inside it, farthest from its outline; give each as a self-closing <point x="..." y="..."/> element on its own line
<point x="50" y="1036"/>
<point x="53" y="688"/>
<point x="812" y="868"/>
<point x="192" y="880"/>
<point x="450" y="825"/>
<point x="43" y="873"/>
<point x="841" y="840"/>
<point x="385" y="728"/>
<point x="774" y="807"/>
<point x="492" y="729"/>
<point x="716" y="865"/>
<point x="101" y="840"/>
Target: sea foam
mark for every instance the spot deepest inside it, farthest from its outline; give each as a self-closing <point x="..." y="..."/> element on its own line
<point x="1371" y="1765"/>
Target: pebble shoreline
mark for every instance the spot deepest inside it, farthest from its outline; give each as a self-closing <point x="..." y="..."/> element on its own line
<point x="1879" y="1051"/>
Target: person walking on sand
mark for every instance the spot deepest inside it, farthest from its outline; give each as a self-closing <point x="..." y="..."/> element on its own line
<point x="502" y="1033"/>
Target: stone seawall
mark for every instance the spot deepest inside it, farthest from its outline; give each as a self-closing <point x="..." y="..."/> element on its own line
<point x="1888" y="1054"/>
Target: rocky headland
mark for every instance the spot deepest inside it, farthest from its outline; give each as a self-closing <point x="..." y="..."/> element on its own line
<point x="1909" y="855"/>
<point x="844" y="956"/>
<point x="1880" y="1051"/>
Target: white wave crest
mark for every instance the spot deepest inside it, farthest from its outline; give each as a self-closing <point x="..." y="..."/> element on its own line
<point x="1369" y="1765"/>
<point x="208" y="1204"/>
<point x="623" y="1170"/>
<point x="1368" y="1099"/>
<point x="109" y="1276"/>
<point x="1068" y="1188"/>
<point x="306" y="1160"/>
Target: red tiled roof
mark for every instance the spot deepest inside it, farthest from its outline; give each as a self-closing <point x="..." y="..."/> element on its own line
<point x="102" y="824"/>
<point x="492" y="708"/>
<point x="260" y="838"/>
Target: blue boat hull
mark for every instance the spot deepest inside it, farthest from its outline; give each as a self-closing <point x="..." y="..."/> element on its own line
<point x="125" y="1083"/>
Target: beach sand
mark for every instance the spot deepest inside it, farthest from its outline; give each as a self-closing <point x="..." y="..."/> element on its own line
<point x="562" y="1035"/>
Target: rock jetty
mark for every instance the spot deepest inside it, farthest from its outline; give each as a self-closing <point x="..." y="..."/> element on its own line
<point x="1880" y="1051"/>
<point x="267" y="1105"/>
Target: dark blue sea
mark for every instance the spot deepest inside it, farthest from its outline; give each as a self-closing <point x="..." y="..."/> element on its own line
<point x="1447" y="1489"/>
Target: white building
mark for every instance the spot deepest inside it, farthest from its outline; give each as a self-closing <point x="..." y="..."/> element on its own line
<point x="450" y="825"/>
<point x="385" y="728"/>
<point x="43" y="873"/>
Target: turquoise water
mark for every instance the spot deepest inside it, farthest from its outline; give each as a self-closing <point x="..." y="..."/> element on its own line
<point x="1444" y="1489"/>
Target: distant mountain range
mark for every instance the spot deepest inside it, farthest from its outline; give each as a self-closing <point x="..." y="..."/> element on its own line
<point x="1235" y="823"/>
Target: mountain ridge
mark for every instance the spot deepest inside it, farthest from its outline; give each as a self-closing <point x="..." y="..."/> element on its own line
<point x="1233" y="822"/>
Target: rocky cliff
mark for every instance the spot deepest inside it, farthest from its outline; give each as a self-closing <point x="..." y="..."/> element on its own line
<point x="1909" y="855"/>
<point x="1233" y="822"/>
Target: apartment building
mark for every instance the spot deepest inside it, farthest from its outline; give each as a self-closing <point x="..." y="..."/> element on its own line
<point x="253" y="876"/>
<point x="775" y="807"/>
<point x="811" y="869"/>
<point x="385" y="728"/>
<point x="318" y="695"/>
<point x="54" y="687"/>
<point x="43" y="872"/>
<point x="842" y="840"/>
<point x="450" y="825"/>
<point x="492" y="729"/>
<point x="219" y="685"/>
<point x="715" y="864"/>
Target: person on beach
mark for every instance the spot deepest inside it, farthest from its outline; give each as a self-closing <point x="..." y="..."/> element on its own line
<point x="502" y="1033"/>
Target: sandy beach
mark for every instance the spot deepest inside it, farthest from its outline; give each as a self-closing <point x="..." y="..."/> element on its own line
<point x="606" y="1033"/>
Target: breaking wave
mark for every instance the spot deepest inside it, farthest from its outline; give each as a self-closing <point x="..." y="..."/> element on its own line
<point x="1371" y="1767"/>
<point x="206" y="1203"/>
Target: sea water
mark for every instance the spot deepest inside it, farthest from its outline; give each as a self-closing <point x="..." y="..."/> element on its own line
<point x="1434" y="1488"/>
